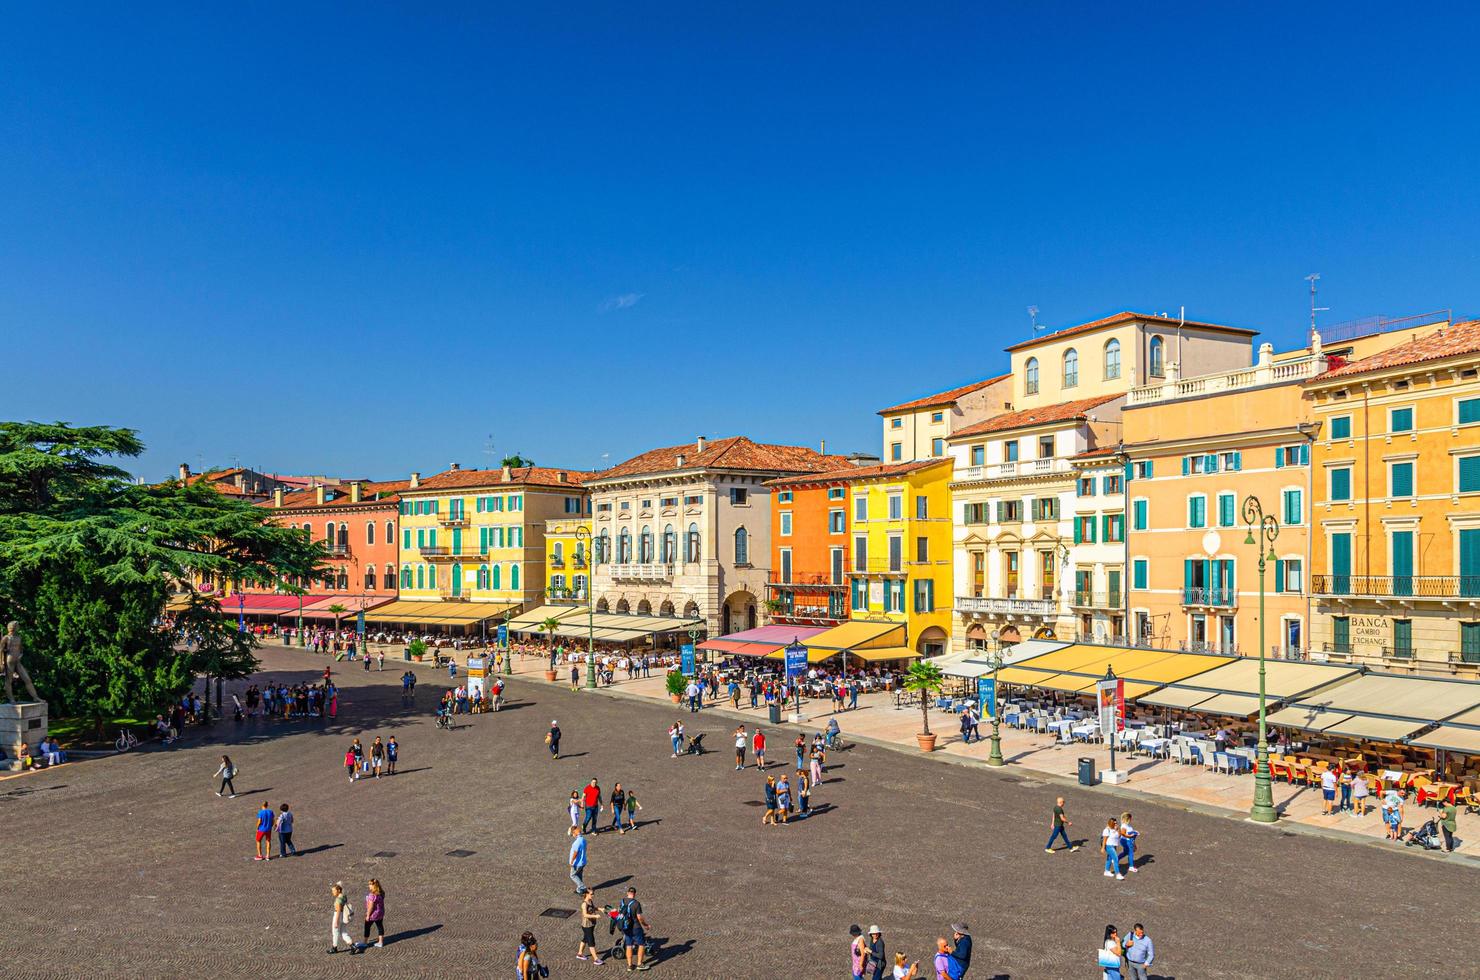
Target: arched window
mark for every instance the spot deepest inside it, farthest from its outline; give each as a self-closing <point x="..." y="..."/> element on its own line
<point x="602" y="606"/>
<point x="370" y="575"/>
<point x="343" y="535"/>
<point x="483" y="577"/>
<point x="390" y="532"/>
<point x="405" y="576"/>
<point x="1030" y="376"/>
<point x="670" y="545"/>
<point x="388" y="579"/>
<point x="603" y="548"/>
<point x="645" y="546"/>
<point x="513" y="578"/>
<point x="1157" y="367"/>
<point x="1071" y="368"/>
<point x="369" y="532"/>
<point x="666" y="609"/>
<point x="644" y="608"/>
<point x="691" y="546"/>
<point x="421" y="576"/>
<point x="1112" y="359"/>
<point x="343" y="581"/>
<point x="742" y="546"/>
<point x="624" y="547"/>
<point x="623" y="606"/>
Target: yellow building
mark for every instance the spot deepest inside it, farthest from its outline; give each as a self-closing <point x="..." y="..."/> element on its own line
<point x="479" y="535"/>
<point x="919" y="429"/>
<point x="1396" y="553"/>
<point x="567" y="544"/>
<point x="900" y="561"/>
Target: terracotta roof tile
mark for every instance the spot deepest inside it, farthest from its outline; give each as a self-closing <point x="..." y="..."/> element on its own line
<point x="1123" y="318"/>
<point x="338" y="495"/>
<point x="733" y="453"/>
<point x="1062" y="412"/>
<point x="1093" y="454"/>
<point x="1452" y="341"/>
<point x="847" y="473"/>
<point x="944" y="397"/>
<point x="534" y="476"/>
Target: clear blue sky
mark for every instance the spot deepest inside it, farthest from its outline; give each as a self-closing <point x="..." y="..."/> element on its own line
<point x="361" y="239"/>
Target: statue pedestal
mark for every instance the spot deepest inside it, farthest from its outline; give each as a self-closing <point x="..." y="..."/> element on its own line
<point x="21" y="724"/>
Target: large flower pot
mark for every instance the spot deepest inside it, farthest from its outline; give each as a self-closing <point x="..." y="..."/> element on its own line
<point x="676" y="698"/>
<point x="927" y="742"/>
<point x="550" y="676"/>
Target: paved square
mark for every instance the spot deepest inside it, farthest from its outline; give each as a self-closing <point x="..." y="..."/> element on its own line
<point x="131" y="866"/>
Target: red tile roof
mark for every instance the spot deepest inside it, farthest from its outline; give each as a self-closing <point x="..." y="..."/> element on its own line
<point x="1452" y="341"/>
<point x="848" y="473"/>
<point x="1124" y="318"/>
<point x="1092" y="454"/>
<point x="733" y="453"/>
<point x="944" y="397"/>
<point x="338" y="495"/>
<point x="1062" y="412"/>
<point x="532" y="476"/>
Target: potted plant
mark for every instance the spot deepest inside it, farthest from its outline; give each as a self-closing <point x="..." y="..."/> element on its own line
<point x="417" y="648"/>
<point x="550" y="625"/>
<point x="676" y="683"/>
<point x="925" y="678"/>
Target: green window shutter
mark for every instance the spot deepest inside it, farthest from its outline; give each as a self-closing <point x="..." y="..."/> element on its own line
<point x="1279" y="457"/>
<point x="1341" y="484"/>
<point x="1078" y="534"/>
<point x="1341" y="428"/>
<point x="1279" y="575"/>
<point x="1238" y="461"/>
<point x="1341" y="632"/>
<point x="1125" y="471"/>
<point x="1187" y="572"/>
<point x="1305" y="454"/>
<point x="1150" y="468"/>
<point x="1469" y="410"/>
<point x="1402" y="479"/>
<point x="406" y="539"/>
<point x="1186" y="465"/>
<point x="1210" y="463"/>
<point x="1469" y="474"/>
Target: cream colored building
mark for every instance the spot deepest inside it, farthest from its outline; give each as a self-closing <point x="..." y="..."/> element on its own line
<point x="1097" y="560"/>
<point x="686" y="530"/>
<point x="919" y="429"/>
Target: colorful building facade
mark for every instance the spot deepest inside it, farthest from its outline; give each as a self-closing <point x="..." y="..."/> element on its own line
<point x="567" y="558"/>
<point x="920" y="429"/>
<point x="1098" y="555"/>
<point x="357" y="524"/>
<point x="808" y="583"/>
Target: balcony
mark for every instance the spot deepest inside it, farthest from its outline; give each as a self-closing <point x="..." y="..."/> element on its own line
<point x="460" y="519"/>
<point x="642" y="572"/>
<point x="1266" y="373"/>
<point x="1209" y="646"/>
<point x="447" y="595"/>
<point x="1219" y="598"/>
<point x="808" y="581"/>
<point x="1096" y="600"/>
<point x="336" y="549"/>
<point x="1397" y="586"/>
<point x="443" y="552"/>
<point x="557" y="562"/>
<point x="988" y="606"/>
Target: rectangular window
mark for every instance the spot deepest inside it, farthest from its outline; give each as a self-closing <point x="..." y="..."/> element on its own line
<point x="860" y="553"/>
<point x="782" y="497"/>
<point x="1045" y="508"/>
<point x="896" y="452"/>
<point x="1009" y="510"/>
<point x="860" y="595"/>
<point x="1231" y="462"/>
<point x="1469" y="642"/>
<point x="937" y="447"/>
<point x="1045" y="447"/>
<point x="1143" y="469"/>
<point x="1341" y="427"/>
<point x="978" y="455"/>
<point x="1138" y="514"/>
<point x="786" y="523"/>
<point x="1114" y="529"/>
<point x="835" y="521"/>
<point x="1468" y="410"/>
<point x="406" y="539"/>
<point x="1292" y="456"/>
<point x="1341" y="634"/>
<point x="692" y="500"/>
<point x="896" y="506"/>
<point x="1086" y="487"/>
<point x="922" y="508"/>
<point x="1084" y="530"/>
<point x="896" y="553"/>
<point x="1292" y="507"/>
<point x="1111" y="484"/>
<point x="896" y="423"/>
<point x="1225" y="510"/>
<point x="1402" y="637"/>
<point x="922" y="549"/>
<point x="1341" y="483"/>
<point x="1139" y="568"/>
<point x="1400" y="419"/>
<point x="1400" y="479"/>
<point x="1010" y="451"/>
<point x="421" y="537"/>
<point x="835" y="557"/>
<point x="739" y="495"/>
<point x="1469" y="474"/>
<point x="937" y="416"/>
<point x="1197" y="511"/>
<point x="785" y="554"/>
<point x="836" y="493"/>
<point x="860" y="508"/>
<point x="974" y="514"/>
<point x="924" y="595"/>
<point x="1289" y="576"/>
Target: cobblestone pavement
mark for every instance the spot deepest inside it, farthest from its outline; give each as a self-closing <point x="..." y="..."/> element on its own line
<point x="130" y="866"/>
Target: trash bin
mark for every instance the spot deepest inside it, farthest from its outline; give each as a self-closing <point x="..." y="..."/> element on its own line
<point x="775" y="709"/>
<point x="406" y="654"/>
<point x="1087" y="774"/>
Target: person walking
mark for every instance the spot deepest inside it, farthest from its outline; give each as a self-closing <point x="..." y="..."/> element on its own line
<point x="392" y="755"/>
<point x="675" y="735"/>
<point x="634" y="931"/>
<point x="1110" y="847"/>
<point x="618" y="802"/>
<point x="1109" y="951"/>
<point x="1140" y="953"/>
<point x="966" y="727"/>
<point x="632" y="807"/>
<point x="337" y="926"/>
<point x="783" y="798"/>
<point x="377" y="756"/>
<point x="285" y="832"/>
<point x="591" y="804"/>
<point x="1449" y="824"/>
<point x="692" y="693"/>
<point x="361" y="763"/>
<point x="758" y="746"/>
<point x="265" y="820"/>
<point x="801" y="749"/>
<point x="578" y="862"/>
<point x="375" y="912"/>
<point x="804" y="794"/>
<point x="1346" y="779"/>
<point x="552" y="739"/>
<point x="1060" y="825"/>
<point x="740" y="741"/>
<point x="589" y="917"/>
<point x="349" y="763"/>
<point x="1128" y="835"/>
<point x="817" y="756"/>
<point x="227" y="772"/>
<point x="1359" y="794"/>
<point x="857" y="951"/>
<point x="769" y="817"/>
<point x="527" y="963"/>
<point x="960" y="949"/>
<point x="874" y="962"/>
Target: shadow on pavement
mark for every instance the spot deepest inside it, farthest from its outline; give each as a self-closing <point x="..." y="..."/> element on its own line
<point x="411" y="934"/>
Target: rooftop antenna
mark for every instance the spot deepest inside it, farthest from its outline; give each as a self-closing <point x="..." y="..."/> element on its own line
<point x="1033" y="318"/>
<point x="1314" y="278"/>
<point x="488" y="449"/>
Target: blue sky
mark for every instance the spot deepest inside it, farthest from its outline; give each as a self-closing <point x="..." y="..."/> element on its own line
<point x="316" y="240"/>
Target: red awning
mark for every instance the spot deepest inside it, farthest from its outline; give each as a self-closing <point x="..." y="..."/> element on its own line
<point x="254" y="603"/>
<point x="738" y="647"/>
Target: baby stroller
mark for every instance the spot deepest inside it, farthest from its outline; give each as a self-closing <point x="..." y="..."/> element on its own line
<point x="695" y="745"/>
<point x="1426" y="837"/>
<point x="619" y="947"/>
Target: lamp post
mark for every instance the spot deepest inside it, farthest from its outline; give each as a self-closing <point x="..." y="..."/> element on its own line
<point x="1268" y="529"/>
<point x="241" y="612"/>
<point x="583" y="535"/>
<point x="995" y="759"/>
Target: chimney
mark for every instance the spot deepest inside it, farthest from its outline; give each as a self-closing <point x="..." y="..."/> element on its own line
<point x="560" y="477"/>
<point x="508" y="474"/>
<point x="241" y="482"/>
<point x="355" y="489"/>
<point x="700" y="443"/>
<point x="184" y="472"/>
<point x="822" y="447"/>
<point x="415" y="481"/>
<point x="455" y="467"/>
<point x="679" y="461"/>
<point x="277" y="497"/>
<point x="318" y="494"/>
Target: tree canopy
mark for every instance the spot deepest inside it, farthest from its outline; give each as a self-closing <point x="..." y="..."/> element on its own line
<point x="89" y="558"/>
<point x="516" y="461"/>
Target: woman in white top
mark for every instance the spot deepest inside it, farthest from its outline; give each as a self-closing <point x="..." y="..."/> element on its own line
<point x="902" y="972"/>
<point x="1112" y="946"/>
<point x="1128" y="837"/>
<point x="575" y="811"/>
<point x="1110" y="847"/>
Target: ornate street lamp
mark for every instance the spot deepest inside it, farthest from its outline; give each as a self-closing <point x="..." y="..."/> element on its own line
<point x="995" y="759"/>
<point x="1268" y="530"/>
<point x="583" y="537"/>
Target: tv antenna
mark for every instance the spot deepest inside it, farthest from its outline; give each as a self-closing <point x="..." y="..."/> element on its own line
<point x="1033" y="318"/>
<point x="1314" y="278"/>
<point x="488" y="448"/>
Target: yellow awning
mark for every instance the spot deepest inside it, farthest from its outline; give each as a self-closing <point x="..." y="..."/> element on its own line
<point x="874" y="654"/>
<point x="1376" y="729"/>
<point x="852" y="636"/>
<point x="813" y="656"/>
<point x="1182" y="698"/>
<point x="1451" y="738"/>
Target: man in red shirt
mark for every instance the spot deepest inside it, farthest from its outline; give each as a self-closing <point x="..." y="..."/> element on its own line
<point x="758" y="746"/>
<point x="591" y="800"/>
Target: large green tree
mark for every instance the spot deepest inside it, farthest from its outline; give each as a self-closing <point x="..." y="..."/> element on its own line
<point x="88" y="559"/>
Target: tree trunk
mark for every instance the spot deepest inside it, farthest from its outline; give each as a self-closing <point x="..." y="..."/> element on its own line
<point x="925" y="710"/>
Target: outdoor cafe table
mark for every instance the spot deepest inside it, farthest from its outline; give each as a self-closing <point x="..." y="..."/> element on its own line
<point x="1443" y="792"/>
<point x="1086" y="730"/>
<point x="1154" y="746"/>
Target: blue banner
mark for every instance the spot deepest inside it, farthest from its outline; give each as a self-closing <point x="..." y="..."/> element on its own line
<point x="686" y="660"/>
<point x="503" y="634"/>
<point x="986" y="696"/>
<point x="796" y="660"/>
<point x="360" y="624"/>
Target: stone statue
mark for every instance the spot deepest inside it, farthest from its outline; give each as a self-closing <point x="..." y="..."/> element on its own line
<point x="10" y="647"/>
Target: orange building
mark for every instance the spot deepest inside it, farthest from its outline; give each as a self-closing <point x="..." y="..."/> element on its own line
<point x="356" y="522"/>
<point x="808" y="584"/>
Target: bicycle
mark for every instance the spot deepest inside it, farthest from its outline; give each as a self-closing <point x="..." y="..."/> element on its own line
<point x="125" y="740"/>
